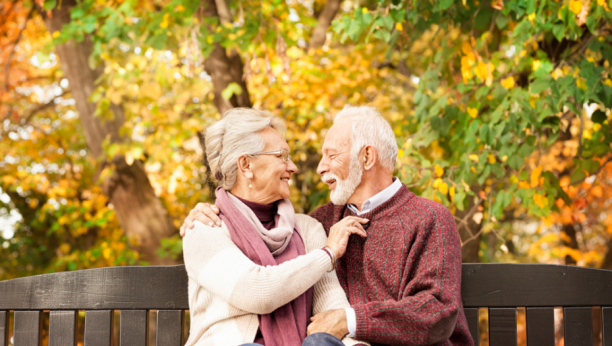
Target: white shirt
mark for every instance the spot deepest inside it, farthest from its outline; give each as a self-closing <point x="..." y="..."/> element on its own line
<point x="369" y="205"/>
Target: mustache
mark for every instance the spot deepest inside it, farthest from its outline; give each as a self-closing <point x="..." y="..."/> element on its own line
<point x="329" y="177"/>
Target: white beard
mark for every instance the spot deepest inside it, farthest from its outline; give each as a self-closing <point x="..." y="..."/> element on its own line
<point x="345" y="188"/>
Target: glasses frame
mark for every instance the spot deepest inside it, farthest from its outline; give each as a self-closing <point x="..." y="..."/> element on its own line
<point x="284" y="153"/>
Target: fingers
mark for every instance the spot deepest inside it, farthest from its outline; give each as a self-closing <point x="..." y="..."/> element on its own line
<point x="212" y="216"/>
<point x="182" y="230"/>
<point x="356" y="230"/>
<point x="357" y="219"/>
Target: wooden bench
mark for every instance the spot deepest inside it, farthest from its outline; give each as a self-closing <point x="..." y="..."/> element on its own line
<point x="134" y="290"/>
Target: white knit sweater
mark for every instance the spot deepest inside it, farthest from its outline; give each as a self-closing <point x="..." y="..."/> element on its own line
<point x="227" y="290"/>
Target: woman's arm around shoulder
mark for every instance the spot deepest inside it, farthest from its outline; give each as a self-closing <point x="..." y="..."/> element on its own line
<point x="217" y="264"/>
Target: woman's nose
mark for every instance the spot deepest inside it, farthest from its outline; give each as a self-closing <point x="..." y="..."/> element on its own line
<point x="291" y="167"/>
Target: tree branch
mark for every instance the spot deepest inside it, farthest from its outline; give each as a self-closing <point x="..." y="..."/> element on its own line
<point x="42" y="107"/>
<point x="319" y="33"/>
<point x="576" y="182"/>
<point x="7" y="67"/>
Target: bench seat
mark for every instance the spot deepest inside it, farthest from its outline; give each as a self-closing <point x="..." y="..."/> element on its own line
<point x="133" y="291"/>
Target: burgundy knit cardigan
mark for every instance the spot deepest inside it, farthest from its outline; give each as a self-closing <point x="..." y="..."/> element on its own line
<point x="404" y="279"/>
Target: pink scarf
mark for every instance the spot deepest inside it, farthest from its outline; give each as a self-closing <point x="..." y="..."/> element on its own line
<point x="286" y="326"/>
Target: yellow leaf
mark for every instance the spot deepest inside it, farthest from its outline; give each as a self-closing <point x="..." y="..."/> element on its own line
<point x="557" y="73"/>
<point x="400" y="154"/>
<point x="608" y="82"/>
<point x="524" y="185"/>
<point x="473" y="112"/>
<point x="596" y="127"/>
<point x="364" y="10"/>
<point x="473" y="157"/>
<point x="451" y="192"/>
<point x="492" y="159"/>
<point x="581" y="84"/>
<point x="531" y="17"/>
<point x="535" y="176"/>
<point x="179" y="8"/>
<point x="535" y="65"/>
<point x="508" y="83"/>
<point x="465" y="185"/>
<point x="443" y="187"/>
<point x="540" y="200"/>
<point x="399" y="27"/>
<point x="56" y="34"/>
<point x="575" y="6"/>
<point x="504" y="158"/>
<point x="107" y="253"/>
<point x="164" y="22"/>
<point x="439" y="171"/>
<point x="437" y="182"/>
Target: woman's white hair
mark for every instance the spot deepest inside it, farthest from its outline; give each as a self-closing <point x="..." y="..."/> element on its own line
<point x="236" y="134"/>
<point x="370" y="128"/>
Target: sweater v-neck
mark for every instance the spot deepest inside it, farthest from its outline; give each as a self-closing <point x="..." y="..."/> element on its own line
<point x="266" y="213"/>
<point x="401" y="197"/>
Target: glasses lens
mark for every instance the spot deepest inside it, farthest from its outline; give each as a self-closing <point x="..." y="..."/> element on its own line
<point x="285" y="155"/>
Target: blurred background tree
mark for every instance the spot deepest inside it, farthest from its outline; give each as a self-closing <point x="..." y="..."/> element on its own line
<point x="501" y="109"/>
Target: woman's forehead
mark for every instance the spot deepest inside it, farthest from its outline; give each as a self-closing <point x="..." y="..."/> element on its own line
<point x="273" y="139"/>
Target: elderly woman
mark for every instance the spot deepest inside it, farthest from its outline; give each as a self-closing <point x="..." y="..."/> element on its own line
<point x="261" y="275"/>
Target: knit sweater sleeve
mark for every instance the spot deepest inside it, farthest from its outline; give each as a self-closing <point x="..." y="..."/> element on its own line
<point x="328" y="294"/>
<point x="217" y="264"/>
<point x="427" y="311"/>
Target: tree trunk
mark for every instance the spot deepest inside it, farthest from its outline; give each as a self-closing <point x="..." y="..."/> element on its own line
<point x="140" y="213"/>
<point x="572" y="242"/>
<point x="224" y="69"/>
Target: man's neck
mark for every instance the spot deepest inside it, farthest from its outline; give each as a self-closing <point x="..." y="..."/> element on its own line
<point x="370" y="186"/>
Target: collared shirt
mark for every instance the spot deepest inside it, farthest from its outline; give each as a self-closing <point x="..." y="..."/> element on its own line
<point x="369" y="205"/>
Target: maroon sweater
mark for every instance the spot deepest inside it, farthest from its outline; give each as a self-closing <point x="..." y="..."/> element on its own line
<point x="404" y="279"/>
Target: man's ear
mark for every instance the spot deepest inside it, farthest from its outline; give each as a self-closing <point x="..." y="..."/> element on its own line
<point x="244" y="166"/>
<point x="369" y="157"/>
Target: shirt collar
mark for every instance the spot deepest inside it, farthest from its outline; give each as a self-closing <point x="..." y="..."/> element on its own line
<point x="378" y="199"/>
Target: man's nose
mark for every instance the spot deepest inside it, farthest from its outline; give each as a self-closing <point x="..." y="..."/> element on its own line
<point x="323" y="167"/>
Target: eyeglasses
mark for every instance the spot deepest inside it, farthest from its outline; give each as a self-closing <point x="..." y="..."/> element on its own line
<point x="284" y="154"/>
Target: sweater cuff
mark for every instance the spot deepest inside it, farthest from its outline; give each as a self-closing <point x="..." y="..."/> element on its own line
<point x="363" y="328"/>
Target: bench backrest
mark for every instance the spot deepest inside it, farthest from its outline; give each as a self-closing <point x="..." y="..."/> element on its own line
<point x="134" y="290"/>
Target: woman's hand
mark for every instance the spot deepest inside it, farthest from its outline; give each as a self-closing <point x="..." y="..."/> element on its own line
<point x="339" y="233"/>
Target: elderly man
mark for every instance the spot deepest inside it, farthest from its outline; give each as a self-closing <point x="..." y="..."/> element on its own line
<point x="404" y="280"/>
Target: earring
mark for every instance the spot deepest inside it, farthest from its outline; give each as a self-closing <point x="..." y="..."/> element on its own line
<point x="250" y="185"/>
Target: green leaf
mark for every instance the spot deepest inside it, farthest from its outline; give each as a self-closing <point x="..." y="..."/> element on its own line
<point x="559" y="31"/>
<point x="385" y="22"/>
<point x="232" y="88"/>
<point x="398" y="15"/>
<point x="383" y="35"/>
<point x="599" y="116"/>
<point x="50" y="4"/>
<point x="539" y="85"/>
<point x="444" y="4"/>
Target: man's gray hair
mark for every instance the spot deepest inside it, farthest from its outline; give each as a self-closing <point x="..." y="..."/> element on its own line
<point x="236" y="134"/>
<point x="370" y="128"/>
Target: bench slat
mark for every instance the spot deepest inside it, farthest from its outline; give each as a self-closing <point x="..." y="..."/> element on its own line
<point x="4" y="331"/>
<point x="502" y="327"/>
<point x="27" y="328"/>
<point x="98" y="327"/>
<point x="606" y="324"/>
<point x="133" y="330"/>
<point x="578" y="326"/>
<point x="471" y="314"/>
<point x="62" y="328"/>
<point x="169" y="327"/>
<point x="540" y="326"/>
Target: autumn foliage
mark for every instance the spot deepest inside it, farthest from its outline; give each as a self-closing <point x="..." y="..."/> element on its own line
<point x="501" y="110"/>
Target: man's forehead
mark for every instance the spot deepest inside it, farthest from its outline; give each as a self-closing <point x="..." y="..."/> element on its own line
<point x="338" y="136"/>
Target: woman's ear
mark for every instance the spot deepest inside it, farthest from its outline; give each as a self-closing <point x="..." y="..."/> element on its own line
<point x="244" y="166"/>
<point x="370" y="157"/>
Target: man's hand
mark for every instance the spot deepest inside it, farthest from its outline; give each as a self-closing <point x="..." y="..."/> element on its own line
<point x="332" y="322"/>
<point x="203" y="212"/>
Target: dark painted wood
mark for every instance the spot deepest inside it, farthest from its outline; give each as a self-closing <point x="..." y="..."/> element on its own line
<point x="98" y="327"/>
<point x="62" y="328"/>
<point x="512" y="285"/>
<point x="606" y="324"/>
<point x="4" y="328"/>
<point x="133" y="328"/>
<point x="138" y="287"/>
<point x="578" y="326"/>
<point x="502" y="327"/>
<point x="540" y="326"/>
<point x="471" y="314"/>
<point x="27" y="328"/>
<point x="169" y="327"/>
